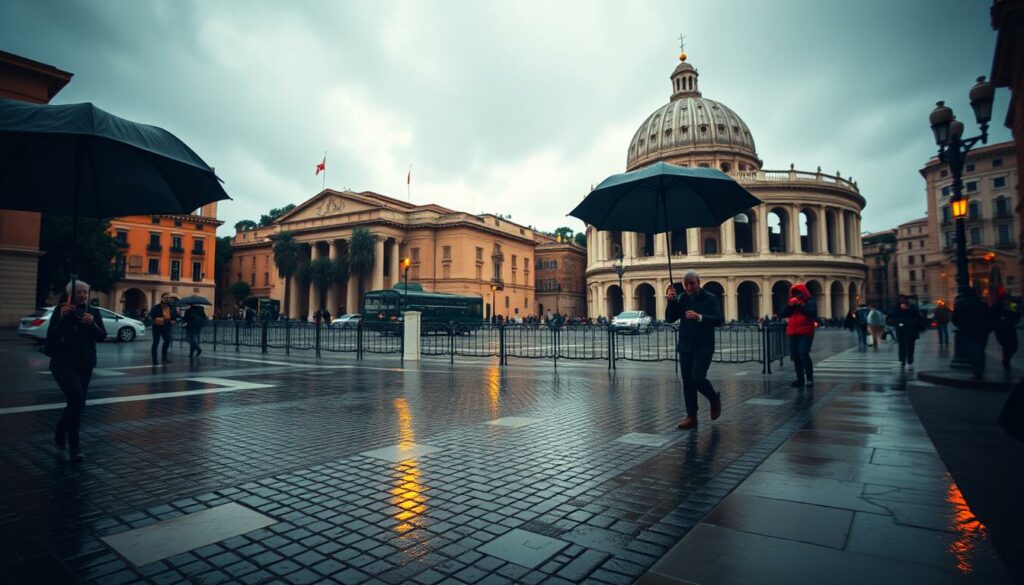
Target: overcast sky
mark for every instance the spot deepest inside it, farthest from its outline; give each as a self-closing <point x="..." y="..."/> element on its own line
<point x="513" y="107"/>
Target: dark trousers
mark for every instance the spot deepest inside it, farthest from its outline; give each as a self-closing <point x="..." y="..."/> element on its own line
<point x="193" y="341"/>
<point x="74" y="383"/>
<point x="906" y="346"/>
<point x="694" y="367"/>
<point x="862" y="334"/>
<point x="163" y="332"/>
<point x="800" y="353"/>
<point x="1009" y="348"/>
<point x="943" y="329"/>
<point x="975" y="353"/>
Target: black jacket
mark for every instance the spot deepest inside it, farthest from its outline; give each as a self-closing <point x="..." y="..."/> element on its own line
<point x="195" y="318"/>
<point x="972" y="317"/>
<point x="1004" y="323"/>
<point x="695" y="335"/>
<point x="72" y="344"/>
<point x="157" y="311"/>
<point x="908" y="323"/>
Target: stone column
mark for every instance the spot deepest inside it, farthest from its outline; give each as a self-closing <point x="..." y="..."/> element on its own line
<point x="378" y="263"/>
<point x="396" y="268"/>
<point x="660" y="245"/>
<point x="731" y="306"/>
<point x="352" y="294"/>
<point x="590" y="247"/>
<point x="794" y="229"/>
<point x="693" y="242"/>
<point x="294" y="302"/>
<point x="728" y="233"/>
<point x="823" y="231"/>
<point x="825" y="311"/>
<point x="314" y="299"/>
<point x="332" y="301"/>
<point x="762" y="229"/>
<point x="660" y="302"/>
<point x="628" y="303"/>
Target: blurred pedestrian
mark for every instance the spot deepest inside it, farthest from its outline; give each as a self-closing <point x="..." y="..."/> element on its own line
<point x="802" y="311"/>
<point x="71" y="338"/>
<point x="194" y="318"/>
<point x="1005" y="318"/>
<point x="974" y="322"/>
<point x="908" y="324"/>
<point x="942" y="315"/>
<point x="164" y="317"/>
<point x="876" y="324"/>
<point x="698" y="313"/>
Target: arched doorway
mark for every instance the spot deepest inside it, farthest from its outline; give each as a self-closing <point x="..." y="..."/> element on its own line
<point x="778" y="228"/>
<point x="613" y="301"/>
<point x="646" y="301"/>
<point x="853" y="299"/>
<point x="808" y="232"/>
<point x="780" y="295"/>
<point x="134" y="302"/>
<point x="744" y="240"/>
<point x="818" y="294"/>
<point x="718" y="290"/>
<point x="839" y="305"/>
<point x="747" y="294"/>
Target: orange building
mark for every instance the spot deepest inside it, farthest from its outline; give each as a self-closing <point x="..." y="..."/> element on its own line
<point x="163" y="254"/>
<point x="30" y="81"/>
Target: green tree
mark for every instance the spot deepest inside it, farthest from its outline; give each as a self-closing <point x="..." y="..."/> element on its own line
<point x="564" y="233"/>
<point x="268" y="218"/>
<point x="95" y="251"/>
<point x="360" y="257"/>
<point x="321" y="274"/>
<point x="581" y="239"/>
<point x="288" y="257"/>
<point x="245" y="225"/>
<point x="221" y="261"/>
<point x="341" y="273"/>
<point x="239" y="291"/>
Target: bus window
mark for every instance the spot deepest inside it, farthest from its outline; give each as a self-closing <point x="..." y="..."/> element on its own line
<point x="371" y="304"/>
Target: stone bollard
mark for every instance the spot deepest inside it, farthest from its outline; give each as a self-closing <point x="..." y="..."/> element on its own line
<point x="412" y="335"/>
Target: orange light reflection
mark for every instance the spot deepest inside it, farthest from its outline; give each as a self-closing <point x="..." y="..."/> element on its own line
<point x="969" y="529"/>
<point x="494" y="390"/>
<point x="408" y="491"/>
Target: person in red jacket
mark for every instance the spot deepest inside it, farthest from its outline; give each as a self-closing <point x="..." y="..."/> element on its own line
<point x="802" y="313"/>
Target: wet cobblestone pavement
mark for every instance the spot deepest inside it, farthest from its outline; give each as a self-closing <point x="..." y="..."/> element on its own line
<point x="374" y="473"/>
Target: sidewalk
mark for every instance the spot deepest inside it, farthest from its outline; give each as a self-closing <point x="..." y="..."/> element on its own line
<point x="860" y="495"/>
<point x="933" y="366"/>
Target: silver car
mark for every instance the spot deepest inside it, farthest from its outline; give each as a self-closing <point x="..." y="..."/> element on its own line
<point x="119" y="327"/>
<point x="632" y="322"/>
<point x="347" y="321"/>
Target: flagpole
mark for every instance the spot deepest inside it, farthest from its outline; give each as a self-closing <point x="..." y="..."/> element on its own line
<point x="408" y="185"/>
<point x="323" y="182"/>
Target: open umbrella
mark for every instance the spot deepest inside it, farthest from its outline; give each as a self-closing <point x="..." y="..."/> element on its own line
<point x="80" y="160"/>
<point x="193" y="300"/>
<point x="664" y="197"/>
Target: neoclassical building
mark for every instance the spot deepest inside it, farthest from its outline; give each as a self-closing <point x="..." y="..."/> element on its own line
<point x="807" y="229"/>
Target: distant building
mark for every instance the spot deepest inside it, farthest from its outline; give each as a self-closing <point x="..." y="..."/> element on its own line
<point x="1008" y="71"/>
<point x="912" y="256"/>
<point x="990" y="181"/>
<point x="880" y="257"/>
<point x="26" y="80"/>
<point x="561" y="282"/>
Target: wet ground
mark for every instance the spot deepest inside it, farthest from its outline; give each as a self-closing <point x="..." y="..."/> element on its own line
<point x="374" y="472"/>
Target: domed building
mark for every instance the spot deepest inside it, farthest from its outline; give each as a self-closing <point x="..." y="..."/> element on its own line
<point x="807" y="229"/>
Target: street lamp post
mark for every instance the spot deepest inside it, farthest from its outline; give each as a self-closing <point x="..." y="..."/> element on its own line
<point x="953" y="149"/>
<point x="620" y="269"/>
<point x="494" y="311"/>
<point x="885" y="251"/>
<point x="406" y="263"/>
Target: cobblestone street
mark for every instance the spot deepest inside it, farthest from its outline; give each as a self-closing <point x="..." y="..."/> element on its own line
<point x="376" y="472"/>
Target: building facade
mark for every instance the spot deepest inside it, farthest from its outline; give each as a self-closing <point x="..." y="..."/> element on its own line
<point x="912" y="255"/>
<point x="1008" y="71"/>
<point x="881" y="256"/>
<point x="561" y="281"/>
<point x="993" y="252"/>
<point x="450" y="251"/>
<point x="30" y="81"/>
<point x="160" y="254"/>
<point x="806" y="230"/>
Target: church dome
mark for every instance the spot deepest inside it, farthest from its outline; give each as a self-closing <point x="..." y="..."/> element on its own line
<point x="693" y="130"/>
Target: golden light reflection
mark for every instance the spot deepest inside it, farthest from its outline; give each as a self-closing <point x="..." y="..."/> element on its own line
<point x="407" y="495"/>
<point x="494" y="390"/>
<point x="969" y="529"/>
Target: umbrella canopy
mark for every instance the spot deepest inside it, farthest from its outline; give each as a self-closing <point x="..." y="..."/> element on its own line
<point x="193" y="300"/>
<point x="80" y="160"/>
<point x="664" y="197"/>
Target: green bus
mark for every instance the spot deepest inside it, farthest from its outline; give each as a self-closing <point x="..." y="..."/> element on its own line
<point x="382" y="306"/>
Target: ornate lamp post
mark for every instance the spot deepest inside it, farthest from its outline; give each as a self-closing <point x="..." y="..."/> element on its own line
<point x="494" y="311"/>
<point x="953" y="149"/>
<point x="620" y="269"/>
<point x="885" y="251"/>
<point x="406" y="263"/>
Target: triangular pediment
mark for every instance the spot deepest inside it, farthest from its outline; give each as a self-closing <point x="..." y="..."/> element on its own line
<point x="327" y="204"/>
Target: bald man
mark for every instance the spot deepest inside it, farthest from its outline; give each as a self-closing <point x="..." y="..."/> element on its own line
<point x="698" y="312"/>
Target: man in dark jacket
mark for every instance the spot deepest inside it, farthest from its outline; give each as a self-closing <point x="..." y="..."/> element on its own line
<point x="942" y="314"/>
<point x="973" y="322"/>
<point x="908" y="323"/>
<point x="699" y="312"/>
<point x="802" y="316"/>
<point x="71" y="338"/>
<point x="164" y="317"/>
<point x="1005" y="318"/>
<point x="195" y="319"/>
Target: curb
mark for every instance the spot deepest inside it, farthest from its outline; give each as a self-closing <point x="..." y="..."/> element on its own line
<point x="949" y="378"/>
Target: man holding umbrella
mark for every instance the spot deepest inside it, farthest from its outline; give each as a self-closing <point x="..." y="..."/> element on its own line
<point x="699" y="313"/>
<point x="164" y="317"/>
<point x="194" y="319"/>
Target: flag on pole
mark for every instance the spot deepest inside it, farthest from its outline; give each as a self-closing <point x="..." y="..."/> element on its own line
<point x="408" y="177"/>
<point x="321" y="166"/>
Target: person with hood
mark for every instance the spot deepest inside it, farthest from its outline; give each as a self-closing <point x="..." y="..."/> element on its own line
<point x="973" y="320"/>
<point x="1005" y="318"/>
<point x="802" y="313"/>
<point x="698" y="313"/>
<point x="908" y="323"/>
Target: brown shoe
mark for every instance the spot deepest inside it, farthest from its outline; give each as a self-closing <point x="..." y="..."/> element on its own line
<point x="689" y="422"/>
<point x="716" y="406"/>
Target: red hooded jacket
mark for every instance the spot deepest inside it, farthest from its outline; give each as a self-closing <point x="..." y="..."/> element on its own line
<point x="802" y="313"/>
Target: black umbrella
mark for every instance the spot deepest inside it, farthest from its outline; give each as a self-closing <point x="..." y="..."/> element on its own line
<point x="663" y="197"/>
<point x="80" y="160"/>
<point x="193" y="300"/>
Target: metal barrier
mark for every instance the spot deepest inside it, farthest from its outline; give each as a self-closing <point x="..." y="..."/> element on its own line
<point x="734" y="343"/>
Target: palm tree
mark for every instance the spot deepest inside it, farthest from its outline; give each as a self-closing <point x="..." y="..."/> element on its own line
<point x="360" y="256"/>
<point x="321" y="273"/>
<point x="288" y="257"/>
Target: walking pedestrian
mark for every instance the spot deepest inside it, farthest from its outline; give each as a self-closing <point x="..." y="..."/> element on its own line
<point x="862" y="325"/>
<point x="1005" y="318"/>
<point x="71" y="338"/>
<point x="974" y="322"/>
<point x="876" y="324"/>
<point x="908" y="324"/>
<point x="699" y="312"/>
<point x="164" y="317"/>
<point x="942" y="315"/>
<point x="802" y="312"/>
<point x="194" y="318"/>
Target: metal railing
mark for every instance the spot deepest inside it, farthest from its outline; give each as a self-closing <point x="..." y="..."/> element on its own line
<point x="735" y="343"/>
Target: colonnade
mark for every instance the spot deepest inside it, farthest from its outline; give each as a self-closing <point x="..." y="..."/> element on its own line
<point x="304" y="299"/>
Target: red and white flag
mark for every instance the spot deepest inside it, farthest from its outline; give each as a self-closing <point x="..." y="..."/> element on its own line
<point x="321" y="166"/>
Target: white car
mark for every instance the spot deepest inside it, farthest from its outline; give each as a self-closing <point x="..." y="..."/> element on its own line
<point x="632" y="321"/>
<point x="350" y="320"/>
<point x="119" y="327"/>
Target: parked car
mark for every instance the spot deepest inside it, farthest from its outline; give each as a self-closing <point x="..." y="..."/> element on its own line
<point x="631" y="322"/>
<point x="119" y="327"/>
<point x="347" y="321"/>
